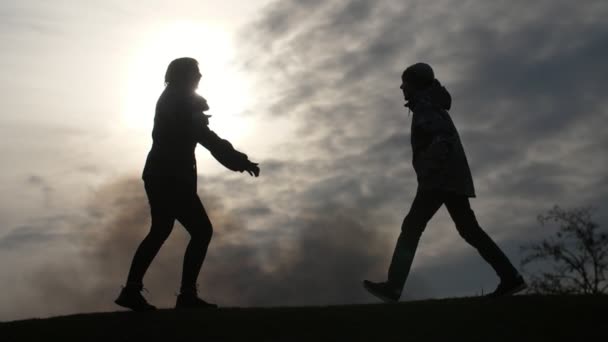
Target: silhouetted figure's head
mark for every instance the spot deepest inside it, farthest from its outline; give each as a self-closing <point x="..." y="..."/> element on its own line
<point x="183" y="73"/>
<point x="415" y="78"/>
<point x="420" y="78"/>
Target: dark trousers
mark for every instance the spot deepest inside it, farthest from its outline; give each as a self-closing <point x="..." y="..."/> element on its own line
<point x="425" y="205"/>
<point x="170" y="201"/>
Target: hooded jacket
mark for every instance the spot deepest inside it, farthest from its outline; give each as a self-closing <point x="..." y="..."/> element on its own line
<point x="179" y="125"/>
<point x="438" y="156"/>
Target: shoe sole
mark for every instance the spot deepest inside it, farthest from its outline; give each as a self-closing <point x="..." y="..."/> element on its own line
<point x="124" y="305"/>
<point x="512" y="291"/>
<point x="379" y="295"/>
<point x="516" y="289"/>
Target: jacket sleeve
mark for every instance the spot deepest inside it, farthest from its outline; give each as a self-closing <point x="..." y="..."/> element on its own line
<point x="442" y="140"/>
<point x="221" y="149"/>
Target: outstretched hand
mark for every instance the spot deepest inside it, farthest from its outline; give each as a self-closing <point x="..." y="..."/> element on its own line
<point x="253" y="169"/>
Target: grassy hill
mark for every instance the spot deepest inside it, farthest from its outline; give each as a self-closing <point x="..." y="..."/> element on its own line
<point x="518" y="318"/>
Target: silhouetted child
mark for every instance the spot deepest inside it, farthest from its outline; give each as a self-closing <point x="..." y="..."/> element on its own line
<point x="170" y="180"/>
<point x="444" y="178"/>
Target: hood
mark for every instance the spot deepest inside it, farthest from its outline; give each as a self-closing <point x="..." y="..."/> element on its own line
<point x="436" y="94"/>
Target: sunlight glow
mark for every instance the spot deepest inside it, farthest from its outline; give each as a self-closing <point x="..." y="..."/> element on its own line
<point x="223" y="85"/>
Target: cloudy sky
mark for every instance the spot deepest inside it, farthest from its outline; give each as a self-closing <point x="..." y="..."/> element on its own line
<point x="309" y="89"/>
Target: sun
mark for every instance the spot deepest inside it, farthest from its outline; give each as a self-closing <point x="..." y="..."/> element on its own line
<point x="223" y="85"/>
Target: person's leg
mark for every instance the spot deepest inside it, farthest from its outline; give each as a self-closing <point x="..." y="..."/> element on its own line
<point x="464" y="218"/>
<point x="194" y="218"/>
<point x="161" y="210"/>
<point x="423" y="208"/>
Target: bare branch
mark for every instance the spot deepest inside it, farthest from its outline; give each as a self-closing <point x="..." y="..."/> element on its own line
<point x="579" y="252"/>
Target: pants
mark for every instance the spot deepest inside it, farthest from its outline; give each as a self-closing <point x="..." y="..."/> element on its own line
<point x="170" y="201"/>
<point x="425" y="205"/>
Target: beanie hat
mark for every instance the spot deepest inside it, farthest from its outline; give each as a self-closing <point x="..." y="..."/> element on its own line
<point x="419" y="75"/>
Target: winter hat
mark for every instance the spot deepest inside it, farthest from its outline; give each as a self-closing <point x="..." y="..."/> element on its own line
<point x="419" y="75"/>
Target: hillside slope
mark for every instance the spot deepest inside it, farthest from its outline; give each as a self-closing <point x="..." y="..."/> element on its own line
<point x="519" y="318"/>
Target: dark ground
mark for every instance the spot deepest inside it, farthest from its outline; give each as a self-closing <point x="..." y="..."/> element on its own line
<point x="518" y="318"/>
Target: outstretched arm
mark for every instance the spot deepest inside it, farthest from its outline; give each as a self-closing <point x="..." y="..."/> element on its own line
<point x="221" y="149"/>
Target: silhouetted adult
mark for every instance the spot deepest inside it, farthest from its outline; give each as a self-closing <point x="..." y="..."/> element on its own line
<point x="443" y="178"/>
<point x="170" y="180"/>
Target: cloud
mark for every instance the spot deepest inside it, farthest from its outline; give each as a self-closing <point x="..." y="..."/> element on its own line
<point x="528" y="99"/>
<point x="19" y="236"/>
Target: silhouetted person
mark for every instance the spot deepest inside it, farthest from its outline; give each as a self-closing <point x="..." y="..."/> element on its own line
<point x="170" y="180"/>
<point x="444" y="178"/>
